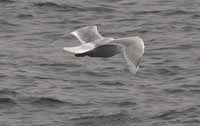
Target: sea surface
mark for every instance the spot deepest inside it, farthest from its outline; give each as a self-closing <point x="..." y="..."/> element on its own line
<point x="41" y="85"/>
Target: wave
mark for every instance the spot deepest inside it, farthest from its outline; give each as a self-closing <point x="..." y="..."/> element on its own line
<point x="97" y="74"/>
<point x="39" y="77"/>
<point x="173" y="114"/>
<point x="190" y="86"/>
<point x="196" y="91"/>
<point x="166" y="71"/>
<point x="115" y="83"/>
<point x="7" y="101"/>
<point x="125" y="103"/>
<point x="46" y="4"/>
<point x="195" y="16"/>
<point x="189" y="28"/>
<point x="9" y="92"/>
<point x="65" y="7"/>
<point x="6" y="23"/>
<point x="177" y="12"/>
<point x="6" y="1"/>
<point x="174" y="91"/>
<point x="60" y="64"/>
<point x="165" y="12"/>
<point x="130" y="3"/>
<point x="7" y="97"/>
<point x="100" y="9"/>
<point x="3" y="76"/>
<point x="25" y="16"/>
<point x="148" y="12"/>
<point x="114" y="119"/>
<point x="52" y="102"/>
<point x="52" y="5"/>
<point x="46" y="101"/>
<point x="184" y="90"/>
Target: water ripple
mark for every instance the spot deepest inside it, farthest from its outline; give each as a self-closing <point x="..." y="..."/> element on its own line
<point x="172" y="114"/>
<point x="115" y="119"/>
<point x="51" y="102"/>
<point x="25" y="16"/>
<point x="46" y="101"/>
<point x="8" y="92"/>
<point x="177" y="12"/>
<point x="113" y="83"/>
<point x="125" y="104"/>
<point x="7" y="102"/>
<point x="6" y="1"/>
<point x="52" y="5"/>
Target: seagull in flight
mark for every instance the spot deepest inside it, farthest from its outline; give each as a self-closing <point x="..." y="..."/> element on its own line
<point x="93" y="44"/>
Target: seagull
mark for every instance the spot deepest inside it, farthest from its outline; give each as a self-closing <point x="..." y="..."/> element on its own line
<point x="93" y="44"/>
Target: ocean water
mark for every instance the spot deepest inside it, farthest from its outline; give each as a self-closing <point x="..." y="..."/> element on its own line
<point x="41" y="85"/>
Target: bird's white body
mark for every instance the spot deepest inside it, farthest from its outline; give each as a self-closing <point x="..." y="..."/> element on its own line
<point x="95" y="45"/>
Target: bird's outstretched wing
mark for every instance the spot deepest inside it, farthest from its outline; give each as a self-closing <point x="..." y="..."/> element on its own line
<point x="133" y="50"/>
<point x="87" y="34"/>
<point x="80" y="49"/>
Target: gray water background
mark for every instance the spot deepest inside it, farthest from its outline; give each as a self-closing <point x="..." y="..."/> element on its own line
<point x="41" y="85"/>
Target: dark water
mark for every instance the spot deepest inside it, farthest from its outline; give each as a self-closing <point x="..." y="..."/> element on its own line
<point x="41" y="85"/>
